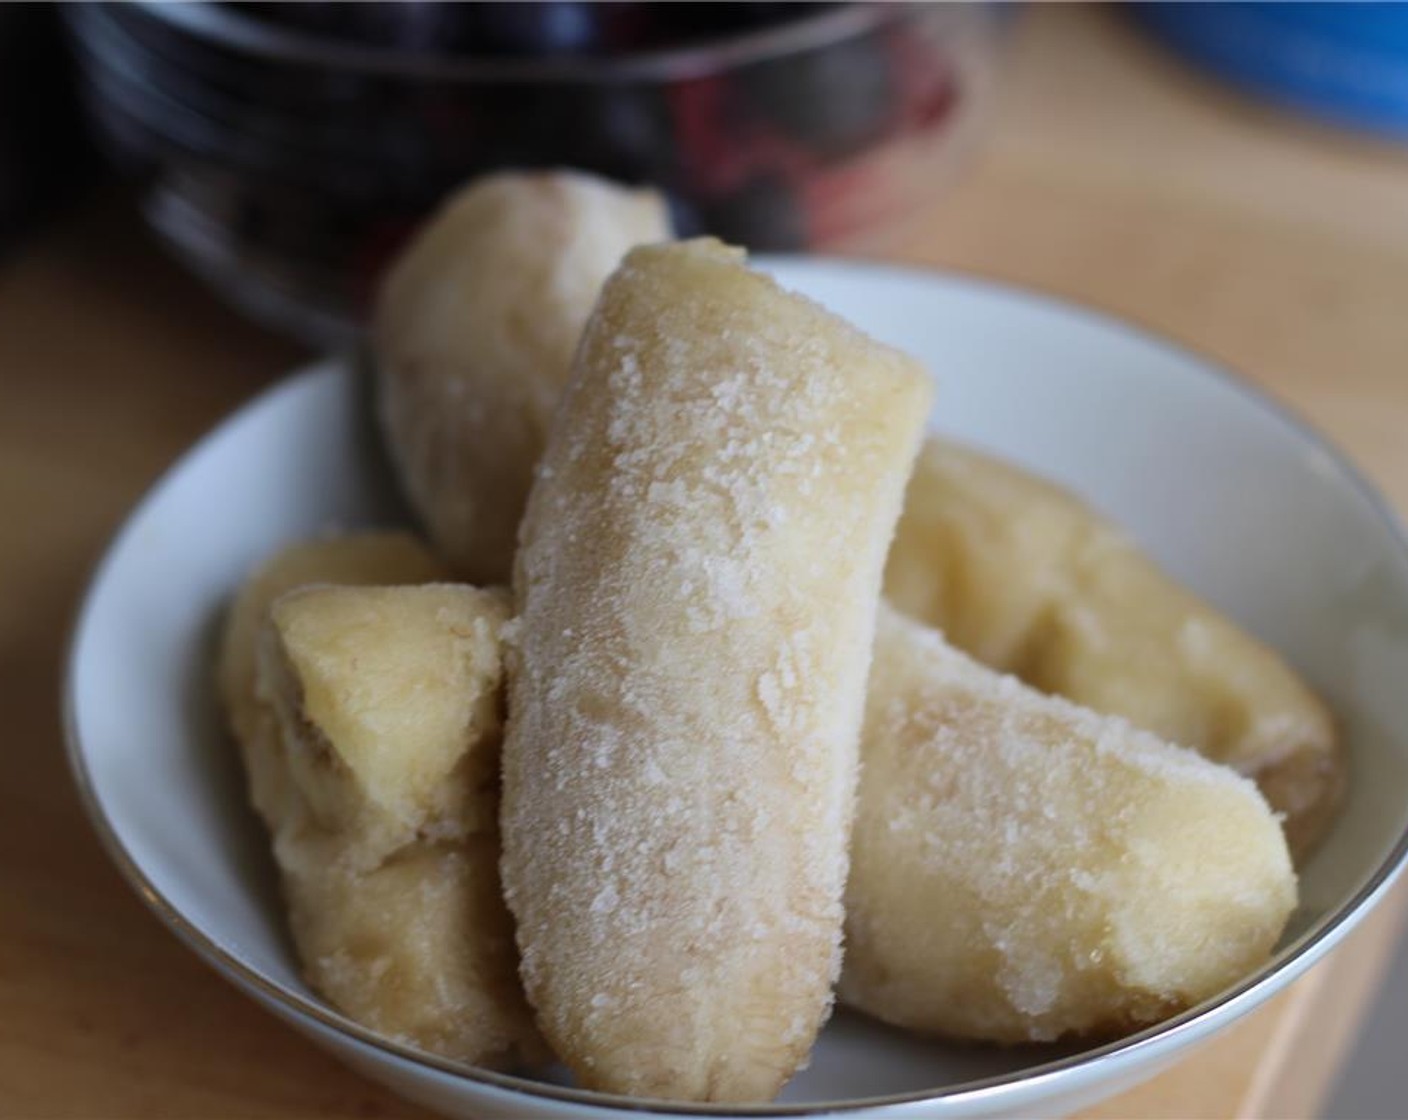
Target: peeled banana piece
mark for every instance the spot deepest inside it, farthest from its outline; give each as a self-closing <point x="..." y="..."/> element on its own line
<point x="388" y="701"/>
<point x="473" y="338"/>
<point x="696" y="591"/>
<point x="1024" y="869"/>
<point x="370" y="721"/>
<point x="1031" y="581"/>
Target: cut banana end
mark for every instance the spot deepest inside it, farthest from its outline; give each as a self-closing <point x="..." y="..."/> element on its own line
<point x="391" y="557"/>
<point x="388" y="701"/>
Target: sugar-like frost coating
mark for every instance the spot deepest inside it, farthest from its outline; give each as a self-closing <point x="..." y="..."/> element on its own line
<point x="1024" y="869"/>
<point x="697" y="587"/>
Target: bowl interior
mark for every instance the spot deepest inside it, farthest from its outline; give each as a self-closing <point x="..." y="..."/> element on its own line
<point x="1231" y="496"/>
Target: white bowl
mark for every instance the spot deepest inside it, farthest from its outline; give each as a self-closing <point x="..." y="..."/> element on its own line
<point x="1232" y="496"/>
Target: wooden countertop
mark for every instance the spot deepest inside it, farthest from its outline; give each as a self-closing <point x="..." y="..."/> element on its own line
<point x="1111" y="176"/>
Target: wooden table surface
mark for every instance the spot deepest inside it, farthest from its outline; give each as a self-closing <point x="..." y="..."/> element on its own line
<point x="1111" y="176"/>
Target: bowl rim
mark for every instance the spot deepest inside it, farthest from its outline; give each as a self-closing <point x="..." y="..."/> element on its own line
<point x="219" y="24"/>
<point x="1167" y="1035"/>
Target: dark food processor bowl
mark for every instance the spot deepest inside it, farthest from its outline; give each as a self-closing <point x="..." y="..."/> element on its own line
<point x="285" y="151"/>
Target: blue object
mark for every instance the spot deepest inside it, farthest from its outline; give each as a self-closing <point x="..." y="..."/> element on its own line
<point x="1345" y="62"/>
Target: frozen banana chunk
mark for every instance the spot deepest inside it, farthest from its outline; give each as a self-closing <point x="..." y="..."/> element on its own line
<point x="697" y="589"/>
<point x="381" y="557"/>
<point x="1031" y="581"/>
<point x="387" y="701"/>
<point x="389" y="707"/>
<point x="473" y="337"/>
<point x="1023" y="869"/>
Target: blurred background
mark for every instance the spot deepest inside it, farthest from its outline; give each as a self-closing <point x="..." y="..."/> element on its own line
<point x="283" y="151"/>
<point x="192" y="196"/>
